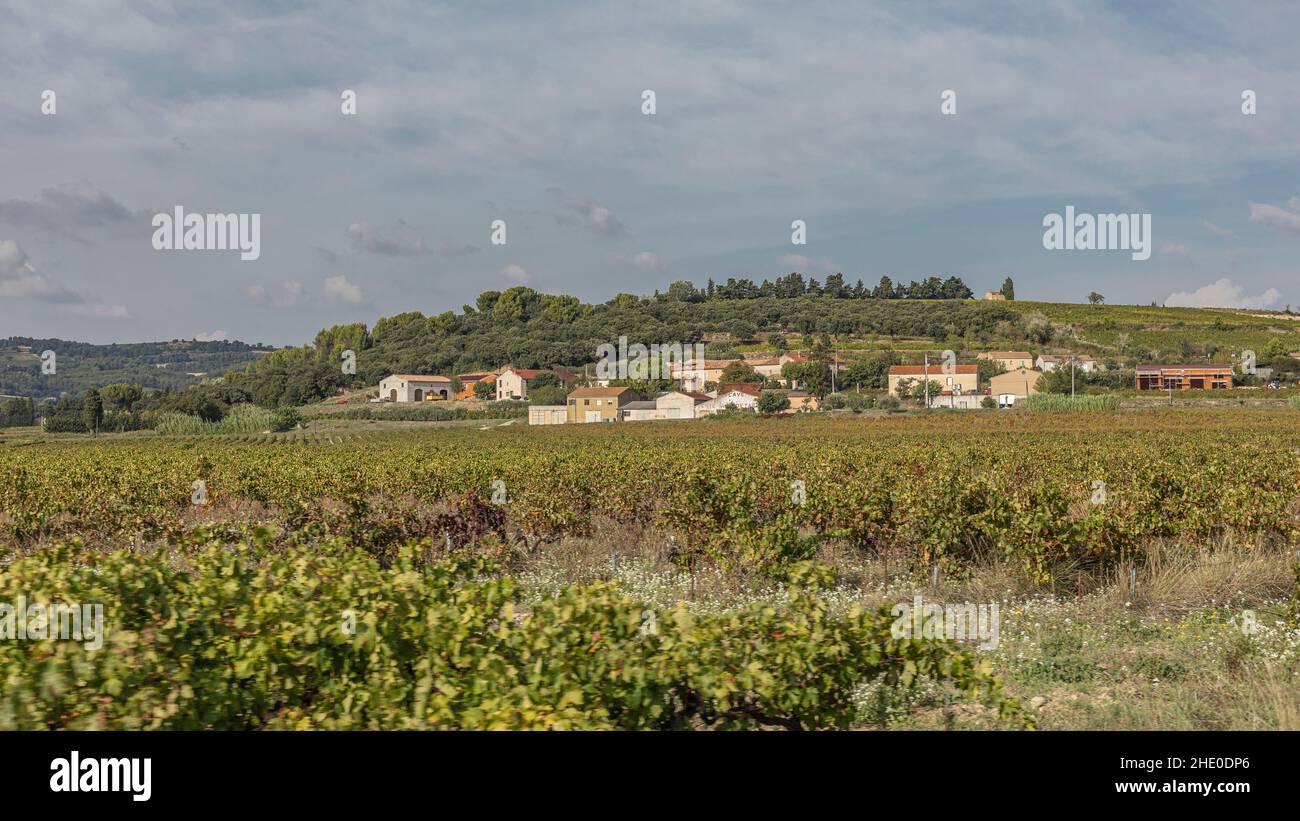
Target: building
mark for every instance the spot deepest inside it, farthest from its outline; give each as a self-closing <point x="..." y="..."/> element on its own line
<point x="741" y="396"/>
<point x="469" y="380"/>
<point x="642" y="410"/>
<point x="801" y="401"/>
<point x="679" y="404"/>
<point x="1154" y="377"/>
<point x="1082" y="362"/>
<point x="996" y="296"/>
<point x="1008" y="360"/>
<point x="1007" y="387"/>
<point x="598" y="404"/>
<point x="512" y="383"/>
<point x="963" y="379"/>
<point x="958" y="401"/>
<point x="410" y="387"/>
<point x="548" y="415"/>
<point x="699" y="374"/>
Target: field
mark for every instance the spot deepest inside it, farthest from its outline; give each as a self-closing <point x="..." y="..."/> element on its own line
<point x="722" y="573"/>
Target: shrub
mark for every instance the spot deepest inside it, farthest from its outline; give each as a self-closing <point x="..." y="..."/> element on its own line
<point x="889" y="403"/>
<point x="323" y="636"/>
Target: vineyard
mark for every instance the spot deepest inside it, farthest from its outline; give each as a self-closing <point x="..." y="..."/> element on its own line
<point x="225" y="562"/>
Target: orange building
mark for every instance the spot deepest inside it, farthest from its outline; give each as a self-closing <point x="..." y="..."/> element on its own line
<point x="469" y="380"/>
<point x="1153" y="377"/>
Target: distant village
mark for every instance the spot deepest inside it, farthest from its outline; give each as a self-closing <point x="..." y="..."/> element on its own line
<point x="705" y="388"/>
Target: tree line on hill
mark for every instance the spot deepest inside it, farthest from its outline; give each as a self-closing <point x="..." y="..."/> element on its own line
<point x="527" y="329"/>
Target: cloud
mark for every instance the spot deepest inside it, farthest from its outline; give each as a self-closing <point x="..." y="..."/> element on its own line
<point x="1174" y="249"/>
<point x="516" y="274"/>
<point x="366" y="237"/>
<point x="215" y="336"/>
<point x="66" y="207"/>
<point x="593" y="214"/>
<point x="1275" y="217"/>
<point x="19" y="279"/>
<point x="1293" y="203"/>
<point x="280" y="295"/>
<point x="1211" y="228"/>
<point x="96" y="310"/>
<point x="642" y="260"/>
<point x="802" y="264"/>
<point x="1222" y="293"/>
<point x="338" y="289"/>
<point x="457" y="249"/>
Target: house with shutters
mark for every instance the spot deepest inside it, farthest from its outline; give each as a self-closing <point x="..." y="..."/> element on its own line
<point x="598" y="404"/>
<point x="1008" y="360"/>
<point x="961" y="379"/>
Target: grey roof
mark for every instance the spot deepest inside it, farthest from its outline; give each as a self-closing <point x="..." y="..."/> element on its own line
<point x="639" y="406"/>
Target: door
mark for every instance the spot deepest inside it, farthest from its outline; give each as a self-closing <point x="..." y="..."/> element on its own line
<point x="419" y="395"/>
<point x="593" y="416"/>
<point x="392" y="395"/>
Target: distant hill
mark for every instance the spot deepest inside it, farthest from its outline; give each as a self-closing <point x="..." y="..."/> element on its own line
<point x="80" y="365"/>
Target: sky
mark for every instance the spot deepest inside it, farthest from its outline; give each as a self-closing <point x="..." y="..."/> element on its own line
<point x="533" y="113"/>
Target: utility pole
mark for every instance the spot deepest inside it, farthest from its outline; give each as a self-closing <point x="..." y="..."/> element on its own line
<point x="1072" y="377"/>
<point x="926" y="377"/>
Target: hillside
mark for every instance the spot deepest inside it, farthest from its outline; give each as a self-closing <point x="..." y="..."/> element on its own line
<point x="524" y="328"/>
<point x="80" y="365"/>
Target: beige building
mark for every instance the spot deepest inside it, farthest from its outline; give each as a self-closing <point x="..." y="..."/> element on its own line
<point x="699" y="374"/>
<point x="548" y="415"/>
<point x="513" y="382"/>
<point x="410" y="387"/>
<point x="641" y="410"/>
<point x="1008" y="360"/>
<point x="801" y="401"/>
<point x="996" y="296"/>
<point x="963" y="379"/>
<point x="598" y="404"/>
<point x="1007" y="387"/>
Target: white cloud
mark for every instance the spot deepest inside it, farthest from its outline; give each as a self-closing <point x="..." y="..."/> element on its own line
<point x="1211" y="228"/>
<point x="1173" y="249"/>
<point x="1293" y="203"/>
<point x="643" y="260"/>
<point x="516" y="274"/>
<point x="338" y="289"/>
<point x="804" y="265"/>
<point x="280" y="295"/>
<point x="1275" y="217"/>
<point x="215" y="336"/>
<point x="1223" y="293"/>
<point x="594" y="214"/>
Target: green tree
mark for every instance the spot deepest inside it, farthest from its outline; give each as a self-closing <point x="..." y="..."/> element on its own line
<point x="92" y="410"/>
<point x="772" y="402"/>
<point x="740" y="371"/>
<point x="484" y="388"/>
<point x="1009" y="289"/>
<point x="1096" y="298"/>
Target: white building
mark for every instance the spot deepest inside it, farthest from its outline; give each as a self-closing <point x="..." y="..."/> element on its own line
<point x="1082" y="362"/>
<point x="410" y="387"/>
<point x="743" y="396"/>
<point x="548" y="415"/>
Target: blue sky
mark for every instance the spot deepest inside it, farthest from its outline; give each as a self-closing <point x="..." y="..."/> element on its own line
<point x="767" y="112"/>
